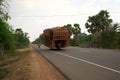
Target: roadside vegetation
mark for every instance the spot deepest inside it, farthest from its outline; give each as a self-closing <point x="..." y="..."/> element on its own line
<point x="102" y="32"/>
<point x="10" y="39"/>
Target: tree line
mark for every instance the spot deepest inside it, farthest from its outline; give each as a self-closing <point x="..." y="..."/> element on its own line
<point x="103" y="32"/>
<point x="10" y="39"/>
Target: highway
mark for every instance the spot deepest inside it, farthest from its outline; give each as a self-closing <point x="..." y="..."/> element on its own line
<point x="84" y="63"/>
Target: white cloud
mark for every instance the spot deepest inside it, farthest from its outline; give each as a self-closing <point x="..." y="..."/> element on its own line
<point x="32" y="4"/>
<point x="51" y="13"/>
<point x="118" y="1"/>
<point x="103" y="1"/>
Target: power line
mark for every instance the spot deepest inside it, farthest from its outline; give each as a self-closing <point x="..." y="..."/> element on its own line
<point x="61" y="15"/>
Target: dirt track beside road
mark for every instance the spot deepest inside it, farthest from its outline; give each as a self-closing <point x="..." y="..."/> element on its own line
<point x="33" y="67"/>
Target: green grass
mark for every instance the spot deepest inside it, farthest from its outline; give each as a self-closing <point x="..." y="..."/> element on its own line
<point x="3" y="72"/>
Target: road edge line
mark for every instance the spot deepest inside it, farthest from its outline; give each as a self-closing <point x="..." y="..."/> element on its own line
<point x="104" y="67"/>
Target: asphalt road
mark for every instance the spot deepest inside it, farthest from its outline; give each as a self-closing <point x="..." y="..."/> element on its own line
<point x="84" y="63"/>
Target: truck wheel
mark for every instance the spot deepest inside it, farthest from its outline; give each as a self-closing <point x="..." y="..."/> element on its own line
<point x="58" y="46"/>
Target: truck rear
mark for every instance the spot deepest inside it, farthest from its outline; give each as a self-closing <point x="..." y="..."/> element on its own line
<point x="57" y="37"/>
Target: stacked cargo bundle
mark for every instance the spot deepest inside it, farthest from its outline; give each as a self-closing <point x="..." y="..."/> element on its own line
<point x="56" y="37"/>
<point x="60" y="33"/>
<point x="48" y="37"/>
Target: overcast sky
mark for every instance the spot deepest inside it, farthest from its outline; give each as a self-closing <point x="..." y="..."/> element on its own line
<point x="33" y="16"/>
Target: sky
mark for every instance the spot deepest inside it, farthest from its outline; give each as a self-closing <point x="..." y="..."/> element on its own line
<point x="33" y="16"/>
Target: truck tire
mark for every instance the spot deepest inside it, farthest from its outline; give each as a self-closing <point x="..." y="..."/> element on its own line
<point x="58" y="45"/>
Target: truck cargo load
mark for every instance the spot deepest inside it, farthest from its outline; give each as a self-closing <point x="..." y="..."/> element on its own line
<point x="57" y="37"/>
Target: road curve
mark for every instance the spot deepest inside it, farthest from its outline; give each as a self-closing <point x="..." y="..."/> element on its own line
<point x="84" y="63"/>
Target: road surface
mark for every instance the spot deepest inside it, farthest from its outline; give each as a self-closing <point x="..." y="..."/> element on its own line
<point x="84" y="63"/>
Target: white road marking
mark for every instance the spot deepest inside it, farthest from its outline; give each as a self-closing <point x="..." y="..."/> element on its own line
<point x="89" y="62"/>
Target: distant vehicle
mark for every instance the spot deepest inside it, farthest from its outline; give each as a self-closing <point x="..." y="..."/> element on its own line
<point x="56" y="38"/>
<point x="38" y="45"/>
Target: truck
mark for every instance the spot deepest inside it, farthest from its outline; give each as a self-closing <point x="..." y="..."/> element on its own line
<point x="57" y="37"/>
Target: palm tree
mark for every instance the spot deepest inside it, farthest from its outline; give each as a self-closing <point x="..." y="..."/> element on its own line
<point x="76" y="30"/>
<point x="99" y="22"/>
<point x="69" y="28"/>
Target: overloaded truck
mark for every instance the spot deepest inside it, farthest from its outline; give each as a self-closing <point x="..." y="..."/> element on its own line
<point x="56" y="38"/>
